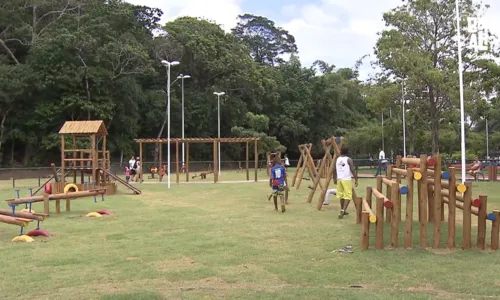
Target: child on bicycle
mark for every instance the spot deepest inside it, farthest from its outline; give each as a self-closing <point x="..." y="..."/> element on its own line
<point x="278" y="184"/>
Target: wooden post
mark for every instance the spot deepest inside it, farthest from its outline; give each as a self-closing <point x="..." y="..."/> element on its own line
<point x="389" y="195"/>
<point x="467" y="214"/>
<point x="322" y="171"/>
<point x="58" y="207"/>
<point x="452" y="209"/>
<point x="495" y="231"/>
<point x="409" y="210"/>
<point x="94" y="158"/>
<point x="63" y="177"/>
<point x="160" y="159"/>
<point x="141" y="161"/>
<point x="438" y="199"/>
<point x="247" y="160"/>
<point x="481" y="222"/>
<point x="379" y="225"/>
<point x="422" y="201"/>
<point x="68" y="205"/>
<point x="358" y="201"/>
<point x="365" y="230"/>
<point x="216" y="164"/>
<point x="296" y="173"/>
<point x="46" y="207"/>
<point x="105" y="160"/>
<point x="177" y="161"/>
<point x="256" y="163"/>
<point x="187" y="162"/>
<point x="396" y="210"/>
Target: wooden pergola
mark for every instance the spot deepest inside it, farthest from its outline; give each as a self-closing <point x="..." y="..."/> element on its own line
<point x="214" y="141"/>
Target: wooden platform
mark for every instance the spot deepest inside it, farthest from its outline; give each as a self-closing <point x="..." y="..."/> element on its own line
<point x="58" y="187"/>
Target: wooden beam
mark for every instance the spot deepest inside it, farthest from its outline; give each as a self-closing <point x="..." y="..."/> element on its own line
<point x="160" y="157"/>
<point x="62" y="159"/>
<point x="187" y="162"/>
<point x="247" y="161"/>
<point x="140" y="162"/>
<point x="215" y="168"/>
<point x="177" y="162"/>
<point x="256" y="162"/>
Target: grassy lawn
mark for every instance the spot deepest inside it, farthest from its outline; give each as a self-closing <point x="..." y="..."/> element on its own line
<point x="224" y="241"/>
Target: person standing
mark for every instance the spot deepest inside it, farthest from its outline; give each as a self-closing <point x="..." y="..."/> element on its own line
<point x="277" y="182"/>
<point x="382" y="163"/>
<point x="287" y="161"/>
<point x="132" y="164"/>
<point x="342" y="177"/>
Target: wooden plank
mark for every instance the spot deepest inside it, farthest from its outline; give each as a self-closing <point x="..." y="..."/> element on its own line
<point x="247" y="160"/>
<point x="365" y="230"/>
<point x="452" y="210"/>
<point x="409" y="211"/>
<point x="467" y="216"/>
<point x="437" y="203"/>
<point x="481" y="222"/>
<point x="422" y="201"/>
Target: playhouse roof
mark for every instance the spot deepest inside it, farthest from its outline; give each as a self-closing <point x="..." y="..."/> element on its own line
<point x="84" y="127"/>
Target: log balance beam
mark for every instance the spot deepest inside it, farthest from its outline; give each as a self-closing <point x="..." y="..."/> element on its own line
<point x="435" y="189"/>
<point x="46" y="198"/>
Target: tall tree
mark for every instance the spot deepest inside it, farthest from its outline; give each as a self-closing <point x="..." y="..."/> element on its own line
<point x="421" y="47"/>
<point x="267" y="43"/>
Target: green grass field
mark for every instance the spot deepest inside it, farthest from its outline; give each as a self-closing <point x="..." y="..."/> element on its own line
<point x="224" y="241"/>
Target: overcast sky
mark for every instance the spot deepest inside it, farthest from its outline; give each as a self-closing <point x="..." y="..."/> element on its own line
<point x="336" y="31"/>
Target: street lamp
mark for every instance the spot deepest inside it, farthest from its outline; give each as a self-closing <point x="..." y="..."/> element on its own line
<point x="461" y="83"/>
<point x="218" y="94"/>
<point x="167" y="65"/>
<point x="182" y="77"/>
<point x="404" y="117"/>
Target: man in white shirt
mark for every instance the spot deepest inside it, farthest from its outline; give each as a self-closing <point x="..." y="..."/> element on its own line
<point x="287" y="161"/>
<point x="382" y="163"/>
<point x="133" y="167"/>
<point x="342" y="177"/>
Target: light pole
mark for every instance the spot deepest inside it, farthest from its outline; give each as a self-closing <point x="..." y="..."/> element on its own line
<point x="461" y="83"/>
<point x="167" y="65"/>
<point x="218" y="94"/>
<point x="182" y="77"/>
<point x="487" y="141"/>
<point x="404" y="117"/>
<point x="382" y="114"/>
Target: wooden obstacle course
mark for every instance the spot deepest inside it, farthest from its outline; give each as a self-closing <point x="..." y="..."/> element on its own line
<point x="435" y="189"/>
<point x="46" y="198"/>
<point x="305" y="162"/>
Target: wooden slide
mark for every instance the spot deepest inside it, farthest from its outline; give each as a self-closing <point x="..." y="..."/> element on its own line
<point x="133" y="188"/>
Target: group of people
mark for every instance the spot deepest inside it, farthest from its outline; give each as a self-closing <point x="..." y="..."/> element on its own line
<point x="342" y="177"/>
<point x="133" y="170"/>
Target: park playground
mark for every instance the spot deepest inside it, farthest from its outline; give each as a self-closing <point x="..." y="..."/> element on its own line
<point x="224" y="241"/>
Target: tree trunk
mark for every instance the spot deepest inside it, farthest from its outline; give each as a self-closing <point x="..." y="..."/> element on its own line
<point x="435" y="119"/>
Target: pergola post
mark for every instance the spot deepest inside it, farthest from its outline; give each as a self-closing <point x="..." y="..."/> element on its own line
<point x="256" y="163"/>
<point x="247" y="160"/>
<point x="177" y="162"/>
<point x="187" y="162"/>
<point x="140" y="161"/>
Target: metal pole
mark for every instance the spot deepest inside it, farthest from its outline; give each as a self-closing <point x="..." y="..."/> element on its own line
<point x="461" y="83"/>
<point x="383" y="148"/>
<point x="404" y="119"/>
<point x="182" y="84"/>
<point x="487" y="141"/>
<point x="218" y="126"/>
<point x="168" y="126"/>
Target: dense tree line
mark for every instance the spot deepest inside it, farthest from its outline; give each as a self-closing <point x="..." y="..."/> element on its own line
<point x="82" y="60"/>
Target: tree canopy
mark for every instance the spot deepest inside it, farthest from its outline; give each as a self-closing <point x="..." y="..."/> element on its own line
<point x="64" y="60"/>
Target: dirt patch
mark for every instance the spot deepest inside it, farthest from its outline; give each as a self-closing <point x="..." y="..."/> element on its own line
<point x="131" y="258"/>
<point x="176" y="265"/>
